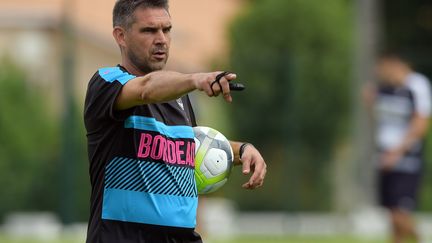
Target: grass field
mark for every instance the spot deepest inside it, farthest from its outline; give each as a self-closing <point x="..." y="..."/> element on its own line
<point x="298" y="239"/>
<point x="261" y="239"/>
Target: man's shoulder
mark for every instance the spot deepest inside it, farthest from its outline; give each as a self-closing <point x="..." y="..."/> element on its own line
<point x="418" y="81"/>
<point x="112" y="74"/>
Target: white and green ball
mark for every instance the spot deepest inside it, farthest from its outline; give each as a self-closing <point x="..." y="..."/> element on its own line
<point x="213" y="159"/>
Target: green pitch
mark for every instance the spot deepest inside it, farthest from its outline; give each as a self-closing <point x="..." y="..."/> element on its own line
<point x="299" y="239"/>
<point x="261" y="239"/>
<point x="29" y="240"/>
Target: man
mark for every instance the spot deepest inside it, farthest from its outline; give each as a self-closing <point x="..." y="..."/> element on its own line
<point x="402" y="107"/>
<point x="148" y="196"/>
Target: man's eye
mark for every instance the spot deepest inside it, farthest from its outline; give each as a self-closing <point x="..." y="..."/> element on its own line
<point x="167" y="30"/>
<point x="148" y="30"/>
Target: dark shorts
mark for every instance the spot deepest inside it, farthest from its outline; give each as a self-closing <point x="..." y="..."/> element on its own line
<point x="111" y="231"/>
<point x="398" y="190"/>
<point x="153" y="237"/>
<point x="193" y="237"/>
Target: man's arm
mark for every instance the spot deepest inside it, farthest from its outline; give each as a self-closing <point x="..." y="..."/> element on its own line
<point x="251" y="161"/>
<point x="417" y="130"/>
<point x="164" y="86"/>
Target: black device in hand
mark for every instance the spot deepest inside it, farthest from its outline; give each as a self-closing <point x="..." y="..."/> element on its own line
<point x="232" y="86"/>
<point x="236" y="86"/>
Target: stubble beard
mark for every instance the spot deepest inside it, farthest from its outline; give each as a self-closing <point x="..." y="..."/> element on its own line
<point x="146" y="65"/>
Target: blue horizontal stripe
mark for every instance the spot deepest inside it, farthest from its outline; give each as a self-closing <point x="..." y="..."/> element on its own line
<point x="150" y="124"/>
<point x="111" y="74"/>
<point x="147" y="208"/>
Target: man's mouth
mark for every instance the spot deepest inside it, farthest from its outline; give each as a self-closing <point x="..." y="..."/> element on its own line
<point x="159" y="55"/>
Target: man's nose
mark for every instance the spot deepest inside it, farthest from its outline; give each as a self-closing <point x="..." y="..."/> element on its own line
<point x="161" y="38"/>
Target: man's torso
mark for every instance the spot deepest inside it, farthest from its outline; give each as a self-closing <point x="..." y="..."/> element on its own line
<point x="141" y="163"/>
<point x="395" y="107"/>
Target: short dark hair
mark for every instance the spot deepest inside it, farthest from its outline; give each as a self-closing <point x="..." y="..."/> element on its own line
<point x="123" y="13"/>
<point x="394" y="54"/>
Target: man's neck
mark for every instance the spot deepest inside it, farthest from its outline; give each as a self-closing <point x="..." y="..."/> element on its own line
<point x="131" y="68"/>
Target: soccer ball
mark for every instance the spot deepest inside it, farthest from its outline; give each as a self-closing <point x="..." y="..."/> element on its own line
<point x="213" y="159"/>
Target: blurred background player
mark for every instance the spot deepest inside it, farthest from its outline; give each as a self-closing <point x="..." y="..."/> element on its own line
<point x="402" y="107"/>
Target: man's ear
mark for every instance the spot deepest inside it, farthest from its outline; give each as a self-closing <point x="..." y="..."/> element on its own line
<point x="119" y="35"/>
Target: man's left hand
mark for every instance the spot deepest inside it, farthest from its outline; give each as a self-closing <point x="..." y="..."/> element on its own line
<point x="390" y="158"/>
<point x="253" y="162"/>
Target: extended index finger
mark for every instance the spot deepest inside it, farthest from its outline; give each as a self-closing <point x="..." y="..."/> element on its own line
<point x="230" y="76"/>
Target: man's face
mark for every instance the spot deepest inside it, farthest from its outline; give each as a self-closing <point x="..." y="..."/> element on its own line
<point x="390" y="71"/>
<point x="147" y="41"/>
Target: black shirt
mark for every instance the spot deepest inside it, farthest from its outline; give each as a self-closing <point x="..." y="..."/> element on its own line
<point x="141" y="163"/>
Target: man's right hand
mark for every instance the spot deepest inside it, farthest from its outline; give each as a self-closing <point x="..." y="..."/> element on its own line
<point x="204" y="81"/>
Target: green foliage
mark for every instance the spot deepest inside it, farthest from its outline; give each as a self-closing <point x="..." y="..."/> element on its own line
<point x="294" y="58"/>
<point x="30" y="171"/>
<point x="425" y="202"/>
<point x="27" y="142"/>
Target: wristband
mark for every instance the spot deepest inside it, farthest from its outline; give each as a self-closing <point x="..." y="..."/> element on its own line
<point x="242" y="148"/>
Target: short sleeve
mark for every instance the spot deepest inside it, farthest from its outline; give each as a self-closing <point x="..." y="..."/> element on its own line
<point x="102" y="92"/>
<point x="421" y="89"/>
